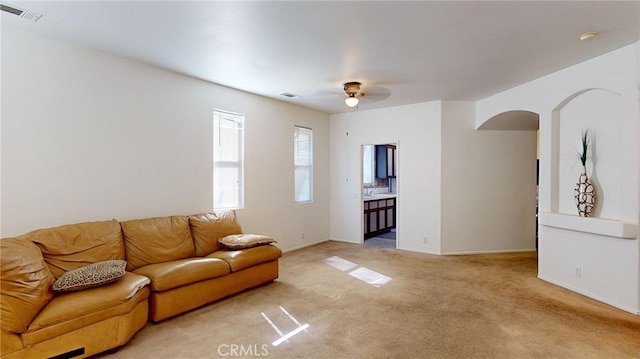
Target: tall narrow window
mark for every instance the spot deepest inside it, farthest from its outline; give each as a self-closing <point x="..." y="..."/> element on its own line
<point x="368" y="164"/>
<point x="303" y="163"/>
<point x="228" y="160"/>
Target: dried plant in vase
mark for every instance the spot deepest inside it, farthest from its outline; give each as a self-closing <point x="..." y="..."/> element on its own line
<point x="585" y="192"/>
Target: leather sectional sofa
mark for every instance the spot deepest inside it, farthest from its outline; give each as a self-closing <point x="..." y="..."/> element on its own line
<point x="173" y="264"/>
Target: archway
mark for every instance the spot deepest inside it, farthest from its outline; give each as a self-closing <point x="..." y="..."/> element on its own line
<point x="521" y="120"/>
<point x="518" y="120"/>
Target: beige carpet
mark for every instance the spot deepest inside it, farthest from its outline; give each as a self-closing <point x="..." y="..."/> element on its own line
<point x="483" y="306"/>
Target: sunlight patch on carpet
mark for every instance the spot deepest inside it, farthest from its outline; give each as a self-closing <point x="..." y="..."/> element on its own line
<point x="339" y="263"/>
<point x="364" y="274"/>
<point x="285" y="336"/>
<point x="372" y="277"/>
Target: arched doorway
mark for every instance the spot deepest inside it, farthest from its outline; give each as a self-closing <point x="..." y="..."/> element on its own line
<point x="521" y="120"/>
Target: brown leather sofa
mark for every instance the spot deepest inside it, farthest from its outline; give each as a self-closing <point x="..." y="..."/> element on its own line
<point x="174" y="264"/>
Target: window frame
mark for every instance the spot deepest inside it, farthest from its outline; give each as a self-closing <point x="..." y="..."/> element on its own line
<point x="297" y="167"/>
<point x="239" y="164"/>
<point x="369" y="165"/>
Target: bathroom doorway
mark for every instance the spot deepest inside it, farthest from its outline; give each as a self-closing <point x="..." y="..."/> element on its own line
<point x="380" y="194"/>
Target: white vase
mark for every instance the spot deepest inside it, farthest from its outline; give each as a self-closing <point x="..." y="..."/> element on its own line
<point x="585" y="195"/>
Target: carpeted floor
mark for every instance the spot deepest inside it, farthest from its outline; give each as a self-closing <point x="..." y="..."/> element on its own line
<point x="482" y="306"/>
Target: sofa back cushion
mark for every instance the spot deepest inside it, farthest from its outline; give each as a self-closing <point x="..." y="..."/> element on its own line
<point x="24" y="284"/>
<point x="73" y="246"/>
<point x="207" y="228"/>
<point x="156" y="240"/>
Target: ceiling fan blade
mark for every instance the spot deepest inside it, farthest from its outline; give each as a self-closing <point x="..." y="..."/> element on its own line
<point x="367" y="94"/>
<point x="374" y="94"/>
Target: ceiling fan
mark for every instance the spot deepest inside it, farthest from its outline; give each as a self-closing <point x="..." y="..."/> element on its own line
<point x="354" y="94"/>
<point x="352" y="89"/>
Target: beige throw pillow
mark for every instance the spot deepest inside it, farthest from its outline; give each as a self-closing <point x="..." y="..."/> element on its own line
<point x="241" y="241"/>
<point x="93" y="275"/>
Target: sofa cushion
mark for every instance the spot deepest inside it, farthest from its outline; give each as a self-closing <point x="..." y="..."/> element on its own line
<point x="73" y="246"/>
<point x="156" y="240"/>
<point x="24" y="284"/>
<point x="93" y="275"/>
<point x="241" y="241"/>
<point x="73" y="310"/>
<point x="169" y="275"/>
<point x="208" y="228"/>
<point x="244" y="258"/>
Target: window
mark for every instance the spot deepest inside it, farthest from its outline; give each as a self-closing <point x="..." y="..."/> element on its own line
<point x="368" y="164"/>
<point x="303" y="164"/>
<point x="228" y="160"/>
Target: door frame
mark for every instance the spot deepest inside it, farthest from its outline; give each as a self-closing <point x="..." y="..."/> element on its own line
<point x="361" y="177"/>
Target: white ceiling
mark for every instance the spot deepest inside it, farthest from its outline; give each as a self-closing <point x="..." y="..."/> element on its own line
<point x="402" y="52"/>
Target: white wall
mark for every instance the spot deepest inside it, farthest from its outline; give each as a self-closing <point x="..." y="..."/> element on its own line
<point x="416" y="130"/>
<point x="608" y="265"/>
<point x="467" y="191"/>
<point x="88" y="136"/>
<point x="602" y="113"/>
<point x="568" y="100"/>
<point x="615" y="72"/>
<point x="488" y="185"/>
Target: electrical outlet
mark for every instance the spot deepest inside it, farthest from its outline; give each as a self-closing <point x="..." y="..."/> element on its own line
<point x="302" y="235"/>
<point x="578" y="272"/>
<point x="425" y="240"/>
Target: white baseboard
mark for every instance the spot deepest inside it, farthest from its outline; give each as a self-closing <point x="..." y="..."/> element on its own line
<point x="488" y="252"/>
<point x="419" y="251"/>
<point x="304" y="246"/>
<point x="635" y="311"/>
<point x="344" y="241"/>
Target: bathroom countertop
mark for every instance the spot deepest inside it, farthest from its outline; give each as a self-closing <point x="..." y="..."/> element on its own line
<point x="376" y="196"/>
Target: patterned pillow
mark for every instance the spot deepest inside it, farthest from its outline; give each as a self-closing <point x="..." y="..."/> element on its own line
<point x="241" y="241"/>
<point x="93" y="275"/>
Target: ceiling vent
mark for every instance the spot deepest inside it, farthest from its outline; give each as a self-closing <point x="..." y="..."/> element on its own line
<point x="29" y="15"/>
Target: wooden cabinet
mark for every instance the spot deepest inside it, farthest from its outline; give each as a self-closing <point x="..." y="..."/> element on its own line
<point x="379" y="216"/>
<point x="385" y="161"/>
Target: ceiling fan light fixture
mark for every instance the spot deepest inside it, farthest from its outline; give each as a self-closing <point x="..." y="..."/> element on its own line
<point x="352" y="89"/>
<point x="352" y="101"/>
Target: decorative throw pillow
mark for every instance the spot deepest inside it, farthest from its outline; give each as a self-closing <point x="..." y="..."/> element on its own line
<point x="241" y="241"/>
<point x="93" y="275"/>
